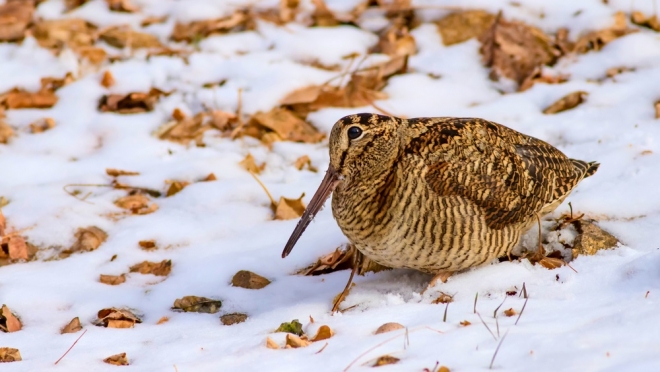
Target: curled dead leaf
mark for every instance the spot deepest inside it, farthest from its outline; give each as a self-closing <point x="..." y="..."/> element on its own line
<point x="116" y="318"/>
<point x="87" y="240"/>
<point x="233" y="318"/>
<point x="162" y="268"/>
<point x="130" y="103"/>
<point x="122" y="6"/>
<point x="567" y="102"/>
<point x="293" y="341"/>
<point x="72" y="327"/>
<point x="125" y="37"/>
<point x="17" y="248"/>
<point x="112" y="279"/>
<point x="640" y="19"/>
<point x="462" y="26"/>
<point x="323" y="333"/>
<point x="93" y="55"/>
<point x="8" y="354"/>
<point x="197" y="30"/>
<point x="195" y="304"/>
<point x="75" y="33"/>
<point x="183" y="129"/>
<point x="656" y="105"/>
<point x="162" y="320"/>
<point x="515" y="50"/>
<point x="271" y="344"/>
<point x="303" y="95"/>
<point x="8" y="321"/>
<point x="249" y="280"/>
<point x="388" y="327"/>
<point x="210" y="177"/>
<point x="287" y="209"/>
<point x="286" y="125"/>
<point x="596" y="40"/>
<point x="15" y="16"/>
<point x="6" y="132"/>
<point x="322" y="15"/>
<point x="510" y="312"/>
<point x="117" y="360"/>
<point x="112" y="172"/>
<point x="137" y="204"/>
<point x="385" y="360"/>
<point x="551" y="263"/>
<point x="465" y="323"/>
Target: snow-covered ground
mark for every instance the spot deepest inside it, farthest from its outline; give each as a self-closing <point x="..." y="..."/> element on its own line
<point x="602" y="317"/>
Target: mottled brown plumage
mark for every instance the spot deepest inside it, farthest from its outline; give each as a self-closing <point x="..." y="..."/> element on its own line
<point x="439" y="194"/>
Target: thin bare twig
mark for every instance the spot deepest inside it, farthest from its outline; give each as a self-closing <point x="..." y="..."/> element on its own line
<point x="476" y="296"/>
<point x="272" y="201"/>
<point x="406" y="341"/>
<point x="444" y="318"/>
<point x="521" y="311"/>
<point x="498" y="348"/>
<point x="323" y="348"/>
<point x="74" y="344"/>
<point x="497" y="308"/>
<point x="486" y="325"/>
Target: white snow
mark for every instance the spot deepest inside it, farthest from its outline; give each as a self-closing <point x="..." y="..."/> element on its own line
<point x="600" y="318"/>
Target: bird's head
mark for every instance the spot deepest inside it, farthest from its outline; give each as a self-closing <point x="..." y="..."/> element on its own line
<point x="362" y="146"/>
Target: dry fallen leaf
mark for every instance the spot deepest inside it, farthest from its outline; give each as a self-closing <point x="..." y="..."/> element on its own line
<point x="72" y="327"/>
<point x="341" y="260"/>
<point x="396" y="40"/>
<point x="117" y="360"/>
<point x="112" y="172"/>
<point x="87" y="240"/>
<point x="8" y="354"/>
<point x="510" y="312"/>
<point x="322" y="15"/>
<point x="461" y="26"/>
<point x="303" y="95"/>
<point x="131" y="103"/>
<point x="592" y="239"/>
<point x="210" y="177"/>
<point x="515" y="50"/>
<point x="8" y="321"/>
<point x="249" y="280"/>
<point x="94" y="55"/>
<point x="3" y="223"/>
<point x="233" y="318"/>
<point x="250" y="165"/>
<point x="116" y="318"/>
<point x="112" y="279"/>
<point x="567" y="102"/>
<point x="17" y="248"/>
<point x="640" y="19"/>
<point x="287" y="209"/>
<point x="57" y="33"/>
<point x="108" y="80"/>
<point x="20" y="99"/>
<point x="388" y="327"/>
<point x="162" y="320"/>
<point x="537" y="76"/>
<point x="194" y="31"/>
<point x="195" y="304"/>
<point x="465" y="323"/>
<point x="125" y="37"/>
<point x="162" y="268"/>
<point x="137" y="204"/>
<point x="175" y="187"/>
<point x="286" y="125"/>
<point x="551" y="263"/>
<point x="42" y="125"/>
<point x="293" y="341"/>
<point x="147" y="244"/>
<point x="385" y="360"/>
<point x="443" y="299"/>
<point x="15" y="16"/>
<point x="183" y="129"/>
<point x="443" y="369"/>
<point x="271" y="344"/>
<point x="323" y="333"/>
<point x="6" y="132"/>
<point x="596" y="40"/>
<point x="656" y="105"/>
<point x="304" y="161"/>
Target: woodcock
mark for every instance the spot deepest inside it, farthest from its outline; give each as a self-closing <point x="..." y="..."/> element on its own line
<point x="438" y="195"/>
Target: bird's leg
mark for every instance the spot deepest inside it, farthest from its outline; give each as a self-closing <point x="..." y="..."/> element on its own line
<point x="541" y="249"/>
<point x="442" y="276"/>
<point x="357" y="261"/>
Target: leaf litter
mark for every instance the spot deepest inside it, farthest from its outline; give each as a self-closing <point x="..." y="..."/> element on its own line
<point x="116" y="318"/>
<point x="196" y="304"/>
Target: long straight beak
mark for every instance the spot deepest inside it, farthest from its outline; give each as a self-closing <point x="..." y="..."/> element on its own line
<point x="328" y="184"/>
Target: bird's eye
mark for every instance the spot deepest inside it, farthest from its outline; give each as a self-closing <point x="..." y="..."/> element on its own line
<point x="354" y="132"/>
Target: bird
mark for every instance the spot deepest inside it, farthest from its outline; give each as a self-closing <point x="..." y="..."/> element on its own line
<point x="437" y="194"/>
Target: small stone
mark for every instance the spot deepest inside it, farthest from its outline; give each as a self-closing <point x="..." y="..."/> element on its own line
<point x="233" y="318"/>
<point x="249" y="280"/>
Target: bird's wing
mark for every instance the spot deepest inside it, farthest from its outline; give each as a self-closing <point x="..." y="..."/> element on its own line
<point x="509" y="175"/>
